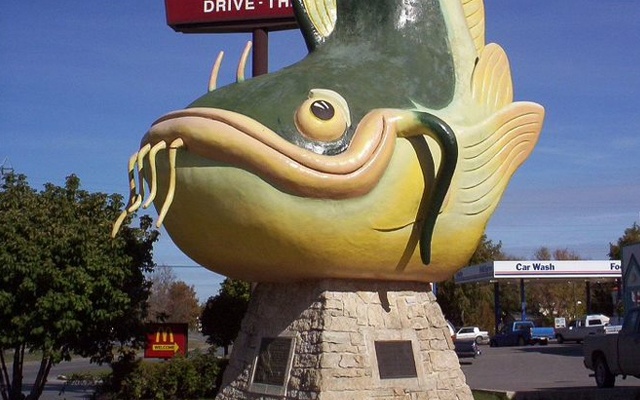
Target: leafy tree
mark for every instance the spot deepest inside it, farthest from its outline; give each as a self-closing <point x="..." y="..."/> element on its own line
<point x="631" y="236"/>
<point x="548" y="299"/>
<point x="184" y="306"/>
<point x="471" y="304"/>
<point x="161" y="280"/>
<point x="223" y="313"/>
<point x="65" y="286"/>
<point x="172" y="300"/>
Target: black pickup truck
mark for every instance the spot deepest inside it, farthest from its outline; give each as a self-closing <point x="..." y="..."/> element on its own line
<point x="610" y="355"/>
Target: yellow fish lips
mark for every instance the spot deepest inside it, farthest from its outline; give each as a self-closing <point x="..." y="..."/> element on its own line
<point x="231" y="138"/>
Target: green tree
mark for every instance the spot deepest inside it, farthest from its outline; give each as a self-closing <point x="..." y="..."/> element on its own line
<point x="631" y="235"/>
<point x="547" y="299"/>
<point x="223" y="313"/>
<point x="66" y="287"/>
<point x="472" y="303"/>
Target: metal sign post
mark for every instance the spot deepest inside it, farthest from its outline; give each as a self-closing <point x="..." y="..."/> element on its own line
<point x="213" y="16"/>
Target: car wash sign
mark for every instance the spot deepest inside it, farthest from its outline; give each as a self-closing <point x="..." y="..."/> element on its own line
<point x="201" y="16"/>
<point x="557" y="269"/>
<point x="166" y="340"/>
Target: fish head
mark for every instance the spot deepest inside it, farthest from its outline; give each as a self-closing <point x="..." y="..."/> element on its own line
<point x="339" y="166"/>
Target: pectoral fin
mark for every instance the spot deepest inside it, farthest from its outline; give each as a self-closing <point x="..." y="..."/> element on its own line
<point x="488" y="161"/>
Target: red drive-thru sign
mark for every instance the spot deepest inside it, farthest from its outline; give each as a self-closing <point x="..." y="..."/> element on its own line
<point x="203" y="16"/>
<point x="166" y="340"/>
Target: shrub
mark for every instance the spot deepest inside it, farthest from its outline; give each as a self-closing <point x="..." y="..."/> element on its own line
<point x="194" y="377"/>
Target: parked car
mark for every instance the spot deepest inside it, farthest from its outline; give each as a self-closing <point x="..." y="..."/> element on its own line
<point x="578" y="330"/>
<point x="466" y="348"/>
<point x="463" y="348"/>
<point x="521" y="333"/>
<point x="614" y="354"/>
<point x="472" y="333"/>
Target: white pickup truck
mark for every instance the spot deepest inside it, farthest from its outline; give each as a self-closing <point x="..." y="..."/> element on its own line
<point x="578" y="330"/>
<point x="472" y="333"/>
<point x="615" y="354"/>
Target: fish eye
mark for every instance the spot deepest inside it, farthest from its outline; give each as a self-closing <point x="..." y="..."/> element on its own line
<point x="323" y="110"/>
<point x="323" y="117"/>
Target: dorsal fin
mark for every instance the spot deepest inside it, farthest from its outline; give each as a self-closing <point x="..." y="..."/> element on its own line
<point x="474" y="13"/>
<point x="491" y="85"/>
<point x="316" y="18"/>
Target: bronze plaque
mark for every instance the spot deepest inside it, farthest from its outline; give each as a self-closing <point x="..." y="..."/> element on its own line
<point x="395" y="359"/>
<point x="273" y="360"/>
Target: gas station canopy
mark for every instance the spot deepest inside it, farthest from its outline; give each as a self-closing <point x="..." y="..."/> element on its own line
<point x="566" y="269"/>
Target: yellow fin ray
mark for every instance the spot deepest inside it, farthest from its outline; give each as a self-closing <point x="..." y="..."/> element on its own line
<point x="474" y="14"/>
<point x="491" y="85"/>
<point x="487" y="162"/>
<point x="322" y="14"/>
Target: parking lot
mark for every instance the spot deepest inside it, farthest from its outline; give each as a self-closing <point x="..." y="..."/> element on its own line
<point x="554" y="371"/>
<point x="546" y="369"/>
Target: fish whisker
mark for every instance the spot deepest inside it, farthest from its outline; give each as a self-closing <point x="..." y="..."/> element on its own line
<point x="136" y="189"/>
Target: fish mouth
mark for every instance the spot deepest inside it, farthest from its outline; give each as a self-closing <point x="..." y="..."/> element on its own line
<point x="231" y="138"/>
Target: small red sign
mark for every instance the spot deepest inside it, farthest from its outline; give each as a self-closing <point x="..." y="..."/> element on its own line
<point x="229" y="15"/>
<point x="166" y="340"/>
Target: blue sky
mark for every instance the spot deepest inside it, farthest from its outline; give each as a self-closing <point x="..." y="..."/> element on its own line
<point x="81" y="81"/>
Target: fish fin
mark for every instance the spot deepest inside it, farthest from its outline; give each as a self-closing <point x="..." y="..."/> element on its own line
<point x="488" y="161"/>
<point x="316" y="18"/>
<point x="474" y="14"/>
<point x="491" y="85"/>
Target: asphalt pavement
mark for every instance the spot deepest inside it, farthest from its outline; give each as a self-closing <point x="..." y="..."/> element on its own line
<point x="536" y="372"/>
<point x="554" y="371"/>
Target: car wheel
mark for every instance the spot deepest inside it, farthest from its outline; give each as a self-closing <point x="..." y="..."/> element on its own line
<point x="479" y="340"/>
<point x="604" y="377"/>
<point x="560" y="339"/>
<point x="521" y="341"/>
<point x="493" y="343"/>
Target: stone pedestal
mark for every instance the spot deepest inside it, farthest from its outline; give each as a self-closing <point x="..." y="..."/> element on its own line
<point x="337" y="339"/>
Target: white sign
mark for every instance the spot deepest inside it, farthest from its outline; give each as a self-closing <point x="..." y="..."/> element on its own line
<point x="541" y="269"/>
<point x="558" y="269"/>
<point x="475" y="273"/>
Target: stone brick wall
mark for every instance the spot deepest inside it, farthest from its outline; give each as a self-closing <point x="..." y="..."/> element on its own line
<point x="334" y="325"/>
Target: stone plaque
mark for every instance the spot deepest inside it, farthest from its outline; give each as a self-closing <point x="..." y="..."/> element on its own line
<point x="395" y="359"/>
<point x="273" y="361"/>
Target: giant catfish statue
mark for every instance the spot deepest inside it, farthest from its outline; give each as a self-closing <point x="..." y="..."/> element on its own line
<point x="381" y="155"/>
